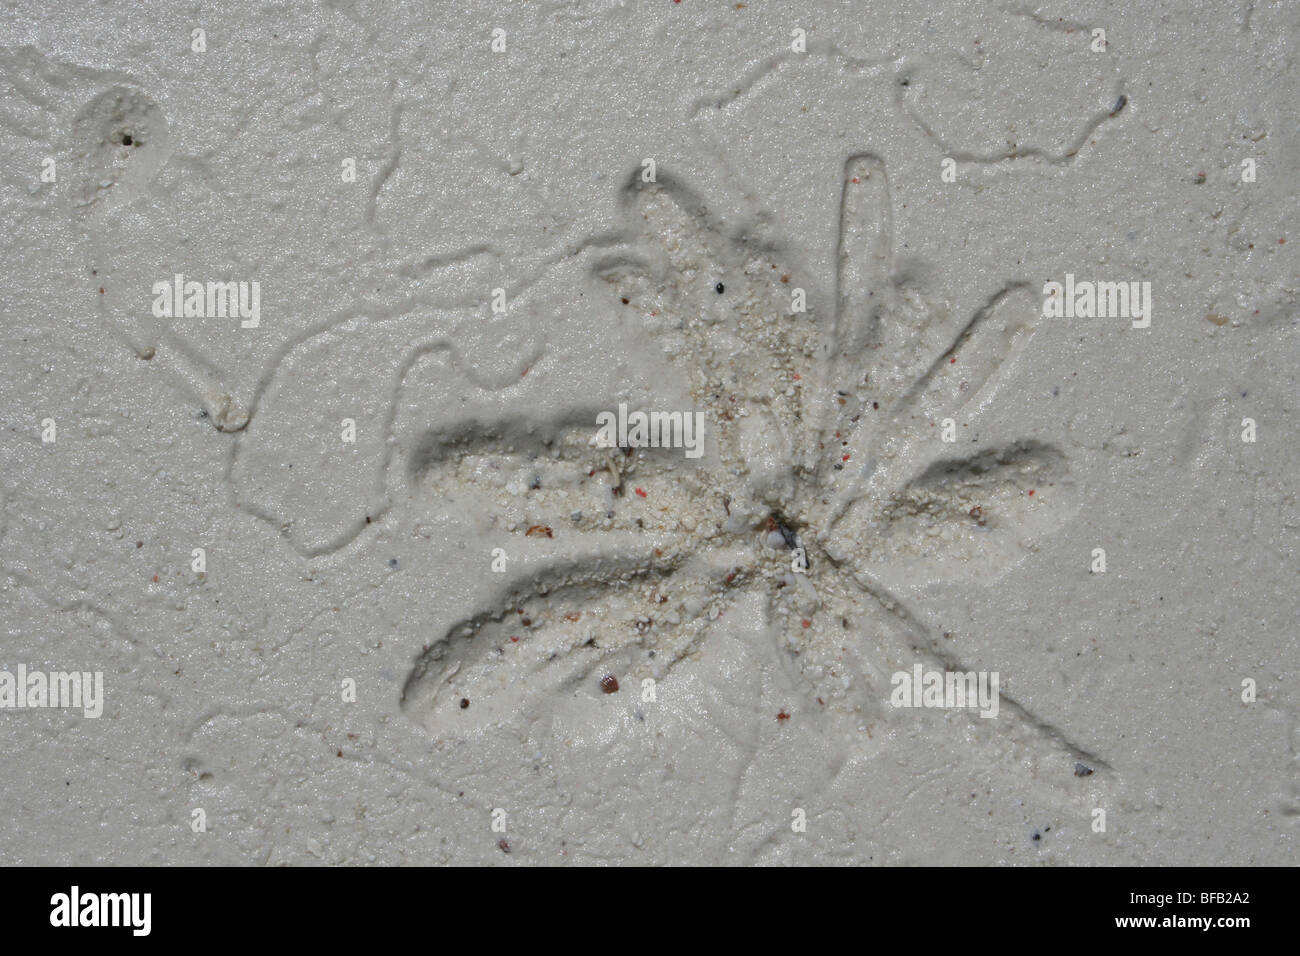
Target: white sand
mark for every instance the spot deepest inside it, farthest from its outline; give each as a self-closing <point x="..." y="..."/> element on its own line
<point x="329" y="562"/>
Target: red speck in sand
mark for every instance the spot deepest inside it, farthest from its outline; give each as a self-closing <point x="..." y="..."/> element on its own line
<point x="1031" y="491"/>
<point x="640" y="492"/>
<point x="806" y="623"/>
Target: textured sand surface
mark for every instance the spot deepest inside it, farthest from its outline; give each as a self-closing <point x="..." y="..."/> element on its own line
<point x="475" y="567"/>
